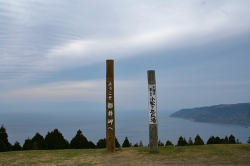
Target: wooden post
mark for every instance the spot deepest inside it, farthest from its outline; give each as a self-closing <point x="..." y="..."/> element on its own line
<point x="152" y="107"/>
<point x="110" y="107"/>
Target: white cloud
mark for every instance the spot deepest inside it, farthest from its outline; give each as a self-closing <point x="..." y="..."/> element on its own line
<point x="128" y="93"/>
<point x="39" y="37"/>
<point x="58" y="91"/>
<point x="149" y="26"/>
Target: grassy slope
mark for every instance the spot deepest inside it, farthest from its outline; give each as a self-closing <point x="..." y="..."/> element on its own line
<point x="238" y="154"/>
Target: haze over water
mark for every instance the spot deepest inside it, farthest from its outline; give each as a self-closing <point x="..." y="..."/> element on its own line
<point x="131" y="124"/>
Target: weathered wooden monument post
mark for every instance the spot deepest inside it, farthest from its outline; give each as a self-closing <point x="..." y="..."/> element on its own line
<point x="110" y="107"/>
<point x="152" y="107"/>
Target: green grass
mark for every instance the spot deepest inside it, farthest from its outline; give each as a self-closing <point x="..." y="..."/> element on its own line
<point x="237" y="154"/>
<point x="233" y="154"/>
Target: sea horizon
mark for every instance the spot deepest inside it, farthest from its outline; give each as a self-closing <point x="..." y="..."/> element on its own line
<point x="132" y="124"/>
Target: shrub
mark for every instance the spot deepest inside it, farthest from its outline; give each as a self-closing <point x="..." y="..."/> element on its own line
<point x="198" y="140"/>
<point x="169" y="143"/>
<point x="126" y="143"/>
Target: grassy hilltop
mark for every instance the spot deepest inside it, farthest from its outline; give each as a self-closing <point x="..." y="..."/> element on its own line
<point x="223" y="154"/>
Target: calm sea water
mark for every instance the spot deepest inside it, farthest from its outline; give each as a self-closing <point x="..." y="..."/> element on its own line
<point x="131" y="124"/>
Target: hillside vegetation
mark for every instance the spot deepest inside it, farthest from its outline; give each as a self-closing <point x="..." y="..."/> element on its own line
<point x="237" y="154"/>
<point x="226" y="114"/>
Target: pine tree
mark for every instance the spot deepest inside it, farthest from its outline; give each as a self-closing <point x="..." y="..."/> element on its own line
<point x="3" y="146"/>
<point x="55" y="140"/>
<point x="225" y="140"/>
<point x="140" y="144"/>
<point x="211" y="140"/>
<point x="79" y="141"/>
<point x="36" y="143"/>
<point x="101" y="143"/>
<point x="16" y="146"/>
<point x="4" y="143"/>
<point x="91" y="145"/>
<point x="190" y="142"/>
<point x="39" y="142"/>
<point x="217" y="140"/>
<point x="28" y="145"/>
<point x="117" y="144"/>
<point x="160" y="143"/>
<point x="198" y="140"/>
<point x="136" y="145"/>
<point x="182" y="141"/>
<point x="126" y="143"/>
<point x="169" y="143"/>
<point x="231" y="139"/>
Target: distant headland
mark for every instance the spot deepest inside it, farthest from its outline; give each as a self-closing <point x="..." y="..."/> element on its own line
<point x="238" y="114"/>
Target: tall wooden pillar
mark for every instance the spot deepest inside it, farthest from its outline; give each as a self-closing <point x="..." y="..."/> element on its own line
<point x="110" y="107"/>
<point x="152" y="108"/>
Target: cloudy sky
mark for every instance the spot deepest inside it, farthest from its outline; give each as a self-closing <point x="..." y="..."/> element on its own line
<point x="56" y="51"/>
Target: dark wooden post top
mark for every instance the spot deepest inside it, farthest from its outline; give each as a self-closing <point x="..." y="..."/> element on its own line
<point x="151" y="77"/>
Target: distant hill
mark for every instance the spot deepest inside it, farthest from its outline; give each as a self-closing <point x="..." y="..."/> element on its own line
<point x="224" y="114"/>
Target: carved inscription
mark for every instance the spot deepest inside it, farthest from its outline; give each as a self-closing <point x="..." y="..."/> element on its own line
<point x="152" y="104"/>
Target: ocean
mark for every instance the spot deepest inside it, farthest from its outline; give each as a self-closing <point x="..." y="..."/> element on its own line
<point x="131" y="124"/>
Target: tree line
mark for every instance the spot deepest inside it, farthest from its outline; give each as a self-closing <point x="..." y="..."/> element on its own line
<point x="55" y="140"/>
<point x="199" y="141"/>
